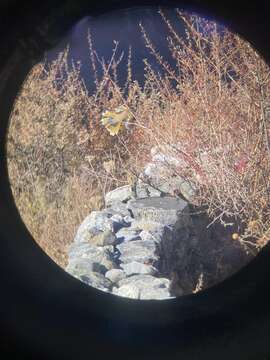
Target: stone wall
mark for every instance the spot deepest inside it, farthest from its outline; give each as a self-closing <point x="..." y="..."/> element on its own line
<point x="148" y="244"/>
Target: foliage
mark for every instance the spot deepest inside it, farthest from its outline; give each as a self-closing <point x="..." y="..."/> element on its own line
<point x="211" y="110"/>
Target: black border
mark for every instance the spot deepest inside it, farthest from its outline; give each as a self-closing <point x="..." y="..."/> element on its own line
<point x="46" y="313"/>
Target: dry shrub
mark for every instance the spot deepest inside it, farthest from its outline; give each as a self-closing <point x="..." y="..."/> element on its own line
<point x="58" y="152"/>
<point x="211" y="109"/>
<point x="61" y="223"/>
<point x="216" y="119"/>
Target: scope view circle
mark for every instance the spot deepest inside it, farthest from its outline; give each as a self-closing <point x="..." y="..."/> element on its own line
<point x="46" y="313"/>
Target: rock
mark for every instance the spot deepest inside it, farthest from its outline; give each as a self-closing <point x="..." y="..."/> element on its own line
<point x="118" y="222"/>
<point x="118" y="218"/>
<point x="96" y="280"/>
<point x="103" y="238"/>
<point x="168" y="154"/>
<point x="135" y="267"/>
<point x="143" y="190"/>
<point x="128" y="291"/>
<point x="120" y="194"/>
<point x="149" y="286"/>
<point x="151" y="226"/>
<point x="187" y="189"/>
<point x="161" y="173"/>
<point x="179" y="185"/>
<point x="155" y="171"/>
<point x="138" y="250"/>
<point x="128" y="219"/>
<point x="166" y="210"/>
<point x="81" y="266"/>
<point x="115" y="275"/>
<point x="92" y="224"/>
<point x="152" y="234"/>
<point x="118" y="208"/>
<point x="128" y="234"/>
<point x="155" y="293"/>
<point x="102" y="255"/>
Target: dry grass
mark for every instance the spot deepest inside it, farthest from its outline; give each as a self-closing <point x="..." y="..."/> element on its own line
<point x="211" y="110"/>
<point x="216" y="120"/>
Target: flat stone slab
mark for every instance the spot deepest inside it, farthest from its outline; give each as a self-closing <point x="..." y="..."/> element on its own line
<point x="80" y="266"/>
<point x="129" y="291"/>
<point x="138" y="250"/>
<point x="118" y="207"/>
<point x="97" y="281"/>
<point x="102" y="255"/>
<point x="122" y="194"/>
<point x="115" y="275"/>
<point x="142" y="225"/>
<point x="96" y="221"/>
<point x="103" y="238"/>
<point x="149" y="287"/>
<point x="135" y="267"/>
<point x="165" y="210"/>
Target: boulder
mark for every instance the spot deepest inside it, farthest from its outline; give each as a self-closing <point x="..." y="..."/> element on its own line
<point x="135" y="267"/>
<point x="102" y="255"/>
<point x="118" y="207"/>
<point x="92" y="224"/>
<point x="103" y="238"/>
<point x="149" y="286"/>
<point x="81" y="266"/>
<point x="120" y="194"/>
<point x="138" y="250"/>
<point x="128" y="291"/>
<point x="161" y="177"/>
<point x="96" y="280"/>
<point x="115" y="275"/>
<point x="166" y="210"/>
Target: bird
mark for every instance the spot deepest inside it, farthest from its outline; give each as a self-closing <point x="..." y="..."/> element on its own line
<point x="116" y="119"/>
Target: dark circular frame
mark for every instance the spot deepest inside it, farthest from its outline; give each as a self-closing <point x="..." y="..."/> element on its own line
<point x="45" y="312"/>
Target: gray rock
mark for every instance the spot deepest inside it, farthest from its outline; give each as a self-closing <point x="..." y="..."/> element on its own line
<point x="154" y="171"/>
<point x="80" y="266"/>
<point x="162" y="175"/>
<point x="142" y="225"/>
<point x="135" y="267"/>
<point x="122" y="194"/>
<point x="103" y="238"/>
<point x="155" y="294"/>
<point x="138" y="250"/>
<point x="166" y="210"/>
<point x="115" y="275"/>
<point x="152" y="234"/>
<point x="143" y="190"/>
<point x="117" y="218"/>
<point x="93" y="223"/>
<point x="118" y="207"/>
<point x="149" y="286"/>
<point x="118" y="222"/>
<point x="102" y="255"/>
<point x="128" y="219"/>
<point x="128" y="291"/>
<point x="128" y="234"/>
<point x="96" y="280"/>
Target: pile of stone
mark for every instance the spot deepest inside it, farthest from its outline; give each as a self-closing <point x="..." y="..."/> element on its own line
<point x="145" y="244"/>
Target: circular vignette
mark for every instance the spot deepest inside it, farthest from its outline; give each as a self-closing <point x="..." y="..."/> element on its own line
<point x="44" y="310"/>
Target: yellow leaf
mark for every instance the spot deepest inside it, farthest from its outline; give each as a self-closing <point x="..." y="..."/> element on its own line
<point x="114" y="120"/>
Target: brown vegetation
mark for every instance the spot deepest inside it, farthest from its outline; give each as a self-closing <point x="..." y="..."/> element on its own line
<point x="211" y="109"/>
